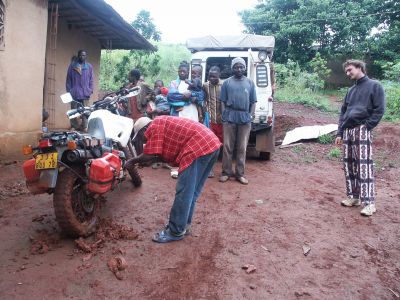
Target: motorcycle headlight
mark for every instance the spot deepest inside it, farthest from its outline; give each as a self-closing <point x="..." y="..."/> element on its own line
<point x="263" y="119"/>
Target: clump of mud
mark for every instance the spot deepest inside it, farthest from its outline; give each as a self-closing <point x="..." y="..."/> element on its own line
<point x="107" y="230"/>
<point x="43" y="241"/>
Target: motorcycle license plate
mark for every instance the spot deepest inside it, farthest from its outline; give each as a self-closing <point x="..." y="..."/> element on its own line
<point x="46" y="161"/>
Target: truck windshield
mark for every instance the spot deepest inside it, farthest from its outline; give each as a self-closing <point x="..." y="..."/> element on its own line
<point x="224" y="63"/>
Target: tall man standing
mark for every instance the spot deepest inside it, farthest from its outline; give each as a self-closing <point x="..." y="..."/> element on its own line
<point x="212" y="105"/>
<point x="185" y="143"/>
<point x="238" y="99"/>
<point x="362" y="109"/>
<point x="79" y="84"/>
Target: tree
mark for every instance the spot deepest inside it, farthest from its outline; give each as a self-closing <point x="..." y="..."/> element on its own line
<point x="145" y="26"/>
<point x="147" y="62"/>
<point x="302" y="27"/>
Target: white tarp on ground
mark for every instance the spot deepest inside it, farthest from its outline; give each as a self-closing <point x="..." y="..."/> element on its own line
<point x="242" y="41"/>
<point x="308" y="132"/>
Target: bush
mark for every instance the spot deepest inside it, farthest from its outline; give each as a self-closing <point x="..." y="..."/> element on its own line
<point x="335" y="153"/>
<point x="326" y="139"/>
<point x="392" y="94"/>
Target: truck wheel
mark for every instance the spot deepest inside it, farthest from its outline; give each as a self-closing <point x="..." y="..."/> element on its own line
<point x="75" y="209"/>
<point x="265" y="155"/>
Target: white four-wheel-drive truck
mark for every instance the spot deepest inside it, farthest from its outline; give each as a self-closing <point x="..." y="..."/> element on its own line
<point x="257" y="51"/>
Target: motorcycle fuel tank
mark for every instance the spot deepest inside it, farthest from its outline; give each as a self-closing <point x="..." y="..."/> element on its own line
<point x="104" y="124"/>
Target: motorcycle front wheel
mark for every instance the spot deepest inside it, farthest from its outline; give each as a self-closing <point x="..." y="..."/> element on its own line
<point x="75" y="209"/>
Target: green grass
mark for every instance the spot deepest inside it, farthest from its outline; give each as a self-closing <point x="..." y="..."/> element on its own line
<point x="335" y="153"/>
<point x="326" y="139"/>
<point x="305" y="97"/>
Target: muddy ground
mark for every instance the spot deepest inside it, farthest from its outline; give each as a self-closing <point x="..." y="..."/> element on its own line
<point x="290" y="207"/>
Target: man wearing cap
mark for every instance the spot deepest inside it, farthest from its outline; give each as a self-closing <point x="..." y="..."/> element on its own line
<point x="185" y="143"/>
<point x="238" y="98"/>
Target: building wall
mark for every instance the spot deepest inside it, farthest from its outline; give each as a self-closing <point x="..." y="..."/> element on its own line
<point x="22" y="75"/>
<point x="69" y="41"/>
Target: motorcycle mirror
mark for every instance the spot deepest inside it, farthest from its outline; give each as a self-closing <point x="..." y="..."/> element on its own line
<point x="66" y="98"/>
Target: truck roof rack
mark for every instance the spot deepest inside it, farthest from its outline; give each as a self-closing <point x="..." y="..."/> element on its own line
<point x="231" y="43"/>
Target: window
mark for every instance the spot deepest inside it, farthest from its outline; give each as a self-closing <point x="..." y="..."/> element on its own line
<point x="2" y="19"/>
<point x="262" y="76"/>
<point x="224" y="63"/>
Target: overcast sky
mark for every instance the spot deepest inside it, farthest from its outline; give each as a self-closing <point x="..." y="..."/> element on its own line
<point x="179" y="20"/>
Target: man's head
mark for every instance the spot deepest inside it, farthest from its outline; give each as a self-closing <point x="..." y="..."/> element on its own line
<point x="134" y="76"/>
<point x="354" y="69"/>
<point x="140" y="127"/>
<point x="183" y="70"/>
<point x="82" y="54"/>
<point x="238" y="66"/>
<point x="213" y="75"/>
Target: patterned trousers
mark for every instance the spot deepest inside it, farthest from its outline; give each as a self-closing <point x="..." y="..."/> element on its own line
<point x="358" y="164"/>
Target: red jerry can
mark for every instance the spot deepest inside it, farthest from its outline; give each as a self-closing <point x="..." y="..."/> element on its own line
<point x="102" y="173"/>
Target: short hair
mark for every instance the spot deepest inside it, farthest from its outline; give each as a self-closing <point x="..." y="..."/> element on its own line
<point x="80" y="51"/>
<point x="215" y="69"/>
<point x="135" y="73"/>
<point x="184" y="64"/>
<point x="159" y="80"/>
<point x="356" y="63"/>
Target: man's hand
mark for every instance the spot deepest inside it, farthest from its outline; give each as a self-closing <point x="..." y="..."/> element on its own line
<point x="338" y="141"/>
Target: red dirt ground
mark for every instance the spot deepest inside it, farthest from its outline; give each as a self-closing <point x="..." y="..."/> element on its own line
<point x="291" y="202"/>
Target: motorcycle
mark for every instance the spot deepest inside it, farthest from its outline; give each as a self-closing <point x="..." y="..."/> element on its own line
<point x="78" y="168"/>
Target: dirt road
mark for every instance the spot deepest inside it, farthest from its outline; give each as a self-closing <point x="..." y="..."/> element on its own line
<point x="291" y="206"/>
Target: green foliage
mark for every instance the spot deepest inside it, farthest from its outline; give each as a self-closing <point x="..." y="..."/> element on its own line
<point x="319" y="67"/>
<point x="331" y="26"/>
<point x="335" y="153"/>
<point x="145" y="26"/>
<point x="392" y="94"/>
<point x="326" y="139"/>
<point x="116" y="64"/>
<point x="162" y="64"/>
<point x="297" y="86"/>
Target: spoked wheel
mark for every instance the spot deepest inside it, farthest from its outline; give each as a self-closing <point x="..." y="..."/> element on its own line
<point x="76" y="210"/>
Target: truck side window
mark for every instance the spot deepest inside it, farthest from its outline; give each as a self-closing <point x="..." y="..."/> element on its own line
<point x="262" y="76"/>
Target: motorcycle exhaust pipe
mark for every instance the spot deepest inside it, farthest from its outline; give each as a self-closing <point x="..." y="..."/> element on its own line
<point x="78" y="155"/>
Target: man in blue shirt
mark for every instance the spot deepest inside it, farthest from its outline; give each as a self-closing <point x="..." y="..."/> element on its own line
<point x="238" y="98"/>
<point x="79" y="84"/>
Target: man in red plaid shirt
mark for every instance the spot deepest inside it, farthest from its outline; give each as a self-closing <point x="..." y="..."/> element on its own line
<point x="184" y="143"/>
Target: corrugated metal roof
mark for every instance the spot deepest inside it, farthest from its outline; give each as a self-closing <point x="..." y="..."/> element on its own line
<point x="100" y="20"/>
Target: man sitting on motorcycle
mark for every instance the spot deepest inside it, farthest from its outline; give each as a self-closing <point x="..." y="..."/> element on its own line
<point x="185" y="143"/>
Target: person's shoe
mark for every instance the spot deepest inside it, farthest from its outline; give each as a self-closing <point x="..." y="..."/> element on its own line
<point x="224" y="178"/>
<point x="351" y="202"/>
<point x="368" y="210"/>
<point x="242" y="180"/>
<point x="174" y="174"/>
<point x="211" y="175"/>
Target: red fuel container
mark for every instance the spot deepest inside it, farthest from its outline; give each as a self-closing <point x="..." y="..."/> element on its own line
<point x="32" y="177"/>
<point x="102" y="173"/>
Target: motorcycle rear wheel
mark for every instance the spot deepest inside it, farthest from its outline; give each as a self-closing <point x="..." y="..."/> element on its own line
<point x="75" y="209"/>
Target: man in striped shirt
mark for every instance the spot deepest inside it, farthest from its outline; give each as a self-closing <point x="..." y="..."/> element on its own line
<point x="184" y="143"/>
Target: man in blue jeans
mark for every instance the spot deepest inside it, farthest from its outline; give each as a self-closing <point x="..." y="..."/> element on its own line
<point x="180" y="142"/>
